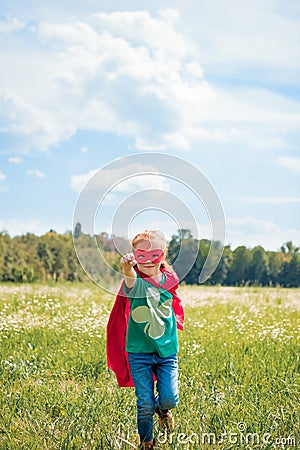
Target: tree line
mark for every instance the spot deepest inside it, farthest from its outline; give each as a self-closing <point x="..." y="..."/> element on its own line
<point x="241" y="266"/>
<point x="52" y="257"/>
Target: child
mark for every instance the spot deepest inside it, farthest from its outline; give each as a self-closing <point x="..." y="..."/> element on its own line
<point x="151" y="338"/>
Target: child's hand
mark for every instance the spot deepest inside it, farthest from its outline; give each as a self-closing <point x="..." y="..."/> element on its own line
<point x="127" y="262"/>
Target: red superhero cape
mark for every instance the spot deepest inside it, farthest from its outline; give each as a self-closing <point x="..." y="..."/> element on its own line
<point x="117" y="357"/>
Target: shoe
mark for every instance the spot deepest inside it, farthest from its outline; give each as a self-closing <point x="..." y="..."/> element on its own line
<point x="145" y="445"/>
<point x="166" y="419"/>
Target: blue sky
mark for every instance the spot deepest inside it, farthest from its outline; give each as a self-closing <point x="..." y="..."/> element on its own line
<point x="214" y="83"/>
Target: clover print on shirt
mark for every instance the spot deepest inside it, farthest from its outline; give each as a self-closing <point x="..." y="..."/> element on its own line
<point x="153" y="314"/>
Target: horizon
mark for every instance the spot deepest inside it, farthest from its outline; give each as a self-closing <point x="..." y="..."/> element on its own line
<point x="110" y="236"/>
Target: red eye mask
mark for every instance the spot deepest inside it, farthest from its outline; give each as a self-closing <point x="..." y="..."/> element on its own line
<point x="155" y="256"/>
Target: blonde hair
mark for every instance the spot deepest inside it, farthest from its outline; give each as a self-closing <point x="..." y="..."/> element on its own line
<point x="148" y="235"/>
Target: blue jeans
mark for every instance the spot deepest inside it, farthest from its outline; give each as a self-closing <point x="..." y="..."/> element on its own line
<point x="142" y="367"/>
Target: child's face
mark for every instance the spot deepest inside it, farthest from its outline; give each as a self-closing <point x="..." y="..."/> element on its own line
<point x="148" y="255"/>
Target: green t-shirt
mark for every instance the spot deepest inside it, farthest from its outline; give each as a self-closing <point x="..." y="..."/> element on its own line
<point x="152" y="323"/>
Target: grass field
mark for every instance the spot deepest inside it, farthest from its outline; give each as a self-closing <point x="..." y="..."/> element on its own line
<point x="239" y="371"/>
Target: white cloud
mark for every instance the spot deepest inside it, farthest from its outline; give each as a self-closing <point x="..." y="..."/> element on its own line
<point x="15" y="160"/>
<point x="79" y="181"/>
<point x="19" y="227"/>
<point x="251" y="231"/>
<point x="38" y="127"/>
<point x="2" y="176"/>
<point x="117" y="50"/>
<point x="84" y="149"/>
<point x="10" y="25"/>
<point x="258" y="38"/>
<point x="37" y="173"/>
<point x="255" y="117"/>
<point x="194" y="70"/>
<point x="118" y="180"/>
<point x="200" y="111"/>
<point x="156" y="33"/>
<point x="257" y="106"/>
<point x="140" y="75"/>
<point x="290" y="163"/>
<point x="141" y="144"/>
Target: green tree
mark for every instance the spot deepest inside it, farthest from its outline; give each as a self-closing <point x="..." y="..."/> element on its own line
<point x="77" y="230"/>
<point x="258" y="268"/>
<point x="238" y="273"/>
<point x="55" y="255"/>
<point x="4" y="245"/>
<point x="45" y="257"/>
<point x="290" y="274"/>
<point x="289" y="247"/>
<point x="184" y="255"/>
<point x="220" y="274"/>
<point x="275" y="268"/>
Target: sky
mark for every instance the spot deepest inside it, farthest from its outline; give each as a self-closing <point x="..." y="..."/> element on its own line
<point x="216" y="84"/>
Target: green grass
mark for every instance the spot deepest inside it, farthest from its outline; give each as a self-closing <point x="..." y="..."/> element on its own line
<point x="239" y="368"/>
